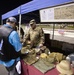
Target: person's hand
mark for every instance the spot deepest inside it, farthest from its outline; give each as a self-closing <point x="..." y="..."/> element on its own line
<point x="29" y="42"/>
<point x="40" y="45"/>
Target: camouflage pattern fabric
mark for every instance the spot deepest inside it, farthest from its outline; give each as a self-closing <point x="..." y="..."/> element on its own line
<point x="43" y="65"/>
<point x="30" y="58"/>
<point x="48" y="60"/>
<point x="44" y="49"/>
<point x="58" y="56"/>
<point x="36" y="36"/>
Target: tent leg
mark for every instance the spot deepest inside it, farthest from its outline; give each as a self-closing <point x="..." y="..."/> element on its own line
<point x="19" y="23"/>
<point x="53" y="32"/>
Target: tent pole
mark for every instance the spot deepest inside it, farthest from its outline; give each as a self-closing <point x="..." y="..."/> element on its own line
<point x="19" y="21"/>
<point x="53" y="31"/>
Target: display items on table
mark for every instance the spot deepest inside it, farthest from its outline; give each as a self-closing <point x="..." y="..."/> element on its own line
<point x="42" y="59"/>
<point x="57" y="56"/>
<point x="47" y="62"/>
<point x="43" y="55"/>
<point x="34" y="71"/>
<point x="70" y="58"/>
<point x="43" y="66"/>
<point x="30" y="58"/>
<point x="37" y="51"/>
<point x="64" y="67"/>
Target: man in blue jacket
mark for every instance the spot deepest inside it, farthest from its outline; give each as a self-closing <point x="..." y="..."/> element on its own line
<point x="10" y="46"/>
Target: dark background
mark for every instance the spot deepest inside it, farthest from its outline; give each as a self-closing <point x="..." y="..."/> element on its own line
<point x="8" y="5"/>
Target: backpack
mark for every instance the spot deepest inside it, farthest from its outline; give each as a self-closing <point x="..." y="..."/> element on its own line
<point x="7" y="50"/>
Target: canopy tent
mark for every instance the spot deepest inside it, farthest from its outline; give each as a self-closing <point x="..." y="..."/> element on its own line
<point x="13" y="12"/>
<point x="39" y="4"/>
<point x="34" y="5"/>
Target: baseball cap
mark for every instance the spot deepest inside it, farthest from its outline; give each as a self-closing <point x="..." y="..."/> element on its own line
<point x="11" y="19"/>
<point x="32" y="21"/>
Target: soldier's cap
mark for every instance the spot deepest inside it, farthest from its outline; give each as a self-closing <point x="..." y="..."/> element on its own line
<point x="11" y="19"/>
<point x="32" y="21"/>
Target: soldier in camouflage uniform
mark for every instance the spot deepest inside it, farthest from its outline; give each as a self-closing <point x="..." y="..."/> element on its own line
<point x="34" y="43"/>
<point x="35" y="36"/>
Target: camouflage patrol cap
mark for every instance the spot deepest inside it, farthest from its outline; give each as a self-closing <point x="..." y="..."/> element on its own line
<point x="32" y="21"/>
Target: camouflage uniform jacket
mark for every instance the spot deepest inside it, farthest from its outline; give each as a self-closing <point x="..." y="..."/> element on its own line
<point x="36" y="36"/>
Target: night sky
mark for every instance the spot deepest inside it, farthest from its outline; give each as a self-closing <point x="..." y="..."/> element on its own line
<point x="8" y="5"/>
